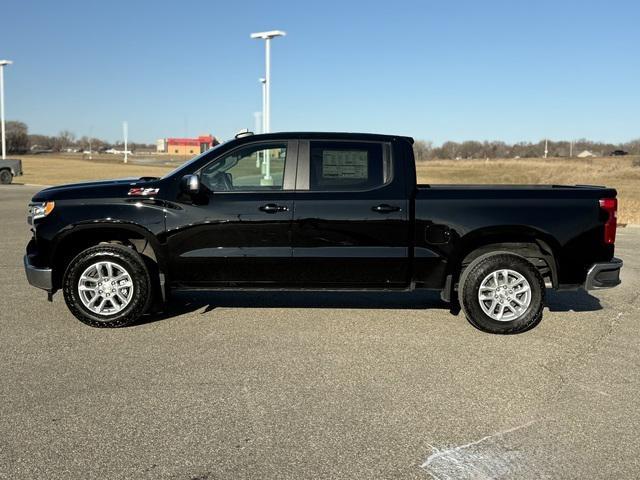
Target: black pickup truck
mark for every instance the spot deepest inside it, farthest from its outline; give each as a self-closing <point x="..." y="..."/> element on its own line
<point x="318" y="211"/>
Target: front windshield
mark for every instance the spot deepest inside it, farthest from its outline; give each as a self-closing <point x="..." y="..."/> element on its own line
<point x="193" y="160"/>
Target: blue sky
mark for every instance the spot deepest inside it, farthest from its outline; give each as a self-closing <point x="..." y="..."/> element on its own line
<point x="436" y="70"/>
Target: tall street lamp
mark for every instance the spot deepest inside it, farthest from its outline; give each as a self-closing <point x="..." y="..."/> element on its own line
<point x="4" y="141"/>
<point x="267" y="36"/>
<point x="263" y="81"/>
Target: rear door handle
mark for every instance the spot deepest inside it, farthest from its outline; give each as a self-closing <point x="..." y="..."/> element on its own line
<point x="384" y="208"/>
<point x="273" y="208"/>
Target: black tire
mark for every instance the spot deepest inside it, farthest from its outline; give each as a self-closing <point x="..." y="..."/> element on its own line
<point x="5" y="177"/>
<point x="470" y="283"/>
<point x="125" y="257"/>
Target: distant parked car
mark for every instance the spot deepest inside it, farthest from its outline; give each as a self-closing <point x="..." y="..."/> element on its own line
<point x="9" y="169"/>
<point x="618" y="153"/>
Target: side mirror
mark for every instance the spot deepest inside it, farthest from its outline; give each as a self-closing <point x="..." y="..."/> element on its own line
<point x="190" y="184"/>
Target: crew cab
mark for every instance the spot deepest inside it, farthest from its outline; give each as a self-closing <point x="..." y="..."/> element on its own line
<point x="338" y="211"/>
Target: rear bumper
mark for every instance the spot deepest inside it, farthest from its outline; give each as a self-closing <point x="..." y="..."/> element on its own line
<point x="603" y="275"/>
<point x="38" y="277"/>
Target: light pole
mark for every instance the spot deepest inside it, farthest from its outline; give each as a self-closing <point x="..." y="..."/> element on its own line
<point x="266" y="97"/>
<point x="546" y="148"/>
<point x="125" y="134"/>
<point x="263" y="81"/>
<point x="4" y="141"/>
<point x="267" y="36"/>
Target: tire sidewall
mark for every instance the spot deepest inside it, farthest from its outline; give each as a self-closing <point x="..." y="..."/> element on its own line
<point x="126" y="259"/>
<point x="473" y="278"/>
<point x="5" y="177"/>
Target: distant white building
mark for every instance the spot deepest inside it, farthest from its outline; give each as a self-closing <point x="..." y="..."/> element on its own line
<point x="117" y="152"/>
<point x="161" y="145"/>
<point x="586" y="154"/>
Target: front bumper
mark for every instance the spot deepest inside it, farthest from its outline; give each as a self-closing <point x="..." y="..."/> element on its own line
<point x="38" y="277"/>
<point x="603" y="275"/>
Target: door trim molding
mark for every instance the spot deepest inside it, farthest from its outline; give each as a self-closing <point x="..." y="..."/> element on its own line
<point x="239" y="252"/>
<point x="352" y="252"/>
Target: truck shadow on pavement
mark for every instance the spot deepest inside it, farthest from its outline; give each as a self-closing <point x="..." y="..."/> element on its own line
<point x="572" y="301"/>
<point x="188" y="302"/>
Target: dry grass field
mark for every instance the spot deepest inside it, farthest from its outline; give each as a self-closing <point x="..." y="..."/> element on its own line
<point x="55" y="170"/>
<point x="619" y="173"/>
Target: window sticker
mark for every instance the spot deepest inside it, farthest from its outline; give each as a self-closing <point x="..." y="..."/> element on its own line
<point x="345" y="164"/>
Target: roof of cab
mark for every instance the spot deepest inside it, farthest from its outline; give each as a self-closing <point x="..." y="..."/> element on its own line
<point x="327" y="136"/>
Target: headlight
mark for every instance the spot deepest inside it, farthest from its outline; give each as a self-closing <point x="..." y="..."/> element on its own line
<point x="39" y="210"/>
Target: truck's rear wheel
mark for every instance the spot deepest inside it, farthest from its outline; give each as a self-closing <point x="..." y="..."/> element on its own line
<point x="5" y="177"/>
<point x="502" y="293"/>
<point x="107" y="286"/>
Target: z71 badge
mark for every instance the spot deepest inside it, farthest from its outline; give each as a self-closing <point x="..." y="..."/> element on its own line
<point x="143" y="192"/>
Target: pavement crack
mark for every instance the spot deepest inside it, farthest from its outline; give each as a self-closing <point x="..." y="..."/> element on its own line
<point x="560" y="367"/>
<point x="479" y="459"/>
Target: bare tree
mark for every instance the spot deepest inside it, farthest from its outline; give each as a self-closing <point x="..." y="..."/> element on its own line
<point x="17" y="137"/>
<point x="64" y="140"/>
<point x="422" y="150"/>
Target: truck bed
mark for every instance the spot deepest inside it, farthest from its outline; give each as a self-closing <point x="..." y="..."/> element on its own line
<point x="567" y="218"/>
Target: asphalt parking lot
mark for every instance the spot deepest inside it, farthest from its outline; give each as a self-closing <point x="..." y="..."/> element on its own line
<point x="316" y="385"/>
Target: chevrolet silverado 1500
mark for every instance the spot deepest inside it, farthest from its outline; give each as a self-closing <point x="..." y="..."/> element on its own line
<point x="318" y="211"/>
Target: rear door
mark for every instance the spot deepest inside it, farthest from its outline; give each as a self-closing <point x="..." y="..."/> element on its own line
<point x="351" y="218"/>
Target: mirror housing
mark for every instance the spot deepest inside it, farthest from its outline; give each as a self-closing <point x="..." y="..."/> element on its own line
<point x="190" y="184"/>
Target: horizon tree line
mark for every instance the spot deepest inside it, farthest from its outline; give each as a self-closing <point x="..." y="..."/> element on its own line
<point x="20" y="141"/>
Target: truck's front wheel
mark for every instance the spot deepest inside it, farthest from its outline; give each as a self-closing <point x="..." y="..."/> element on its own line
<point x="107" y="286"/>
<point x="502" y="293"/>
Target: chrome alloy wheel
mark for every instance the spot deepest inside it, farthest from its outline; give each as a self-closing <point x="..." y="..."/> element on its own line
<point x="504" y="295"/>
<point x="105" y="288"/>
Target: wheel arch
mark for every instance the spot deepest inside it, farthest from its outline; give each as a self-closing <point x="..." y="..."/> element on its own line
<point x="80" y="237"/>
<point x="534" y="245"/>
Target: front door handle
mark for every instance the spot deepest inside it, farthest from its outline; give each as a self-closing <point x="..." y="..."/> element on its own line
<point x="384" y="208"/>
<point x="273" y="208"/>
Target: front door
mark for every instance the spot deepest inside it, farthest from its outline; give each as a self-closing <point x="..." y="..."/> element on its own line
<point x="351" y="221"/>
<point x="238" y="231"/>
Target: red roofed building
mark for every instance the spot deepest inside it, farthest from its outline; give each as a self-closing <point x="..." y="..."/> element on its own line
<point x="189" y="146"/>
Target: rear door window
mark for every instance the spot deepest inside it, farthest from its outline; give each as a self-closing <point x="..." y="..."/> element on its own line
<point x="348" y="166"/>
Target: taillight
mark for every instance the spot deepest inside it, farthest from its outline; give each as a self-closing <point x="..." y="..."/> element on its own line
<point x="610" y="205"/>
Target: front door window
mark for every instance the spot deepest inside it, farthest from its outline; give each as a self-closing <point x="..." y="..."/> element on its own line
<point x="253" y="168"/>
